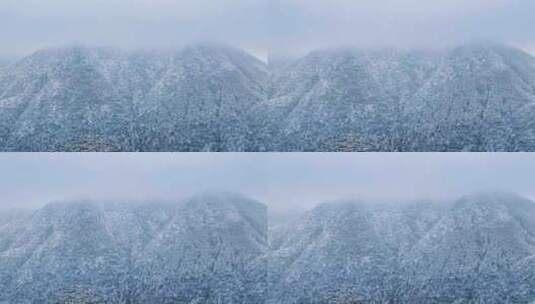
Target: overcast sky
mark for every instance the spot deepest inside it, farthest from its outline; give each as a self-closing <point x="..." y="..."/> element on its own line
<point x="285" y="180"/>
<point x="261" y="26"/>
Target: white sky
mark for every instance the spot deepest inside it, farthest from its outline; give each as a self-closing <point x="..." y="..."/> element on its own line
<point x="261" y="26"/>
<point x="280" y="180"/>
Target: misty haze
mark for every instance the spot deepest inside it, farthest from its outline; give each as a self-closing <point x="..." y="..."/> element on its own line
<point x="306" y="228"/>
<point x="283" y="75"/>
<point x="294" y="76"/>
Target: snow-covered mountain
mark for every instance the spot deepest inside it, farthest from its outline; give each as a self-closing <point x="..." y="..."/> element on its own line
<point x="476" y="97"/>
<point x="345" y="251"/>
<point x="214" y="248"/>
<point x="79" y="98"/>
<point x="209" y="249"/>
<point x="481" y="249"/>
<point x="215" y="98"/>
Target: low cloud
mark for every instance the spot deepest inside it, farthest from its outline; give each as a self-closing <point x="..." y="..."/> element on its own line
<point x="283" y="181"/>
<point x="262" y="25"/>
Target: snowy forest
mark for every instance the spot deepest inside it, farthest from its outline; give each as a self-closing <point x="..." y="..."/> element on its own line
<point x="210" y="97"/>
<point x="227" y="248"/>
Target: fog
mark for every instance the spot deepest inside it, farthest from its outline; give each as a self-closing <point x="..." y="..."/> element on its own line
<point x="262" y="26"/>
<point x="283" y="181"/>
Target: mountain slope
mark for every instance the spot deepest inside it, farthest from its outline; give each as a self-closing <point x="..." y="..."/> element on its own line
<point x="205" y="250"/>
<point x="201" y="101"/>
<point x="479" y="250"/>
<point x="474" y="251"/>
<point x="478" y="97"/>
<point x="61" y="100"/>
<point x="105" y="100"/>
<point x="475" y="97"/>
<point x="213" y="248"/>
<point x="345" y="251"/>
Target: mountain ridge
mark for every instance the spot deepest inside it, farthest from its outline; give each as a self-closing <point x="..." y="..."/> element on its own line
<point x="209" y="97"/>
<point x="219" y="246"/>
<point x="478" y="248"/>
<point x="201" y="249"/>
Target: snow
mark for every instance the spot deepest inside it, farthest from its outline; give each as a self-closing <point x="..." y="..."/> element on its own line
<point x="217" y="247"/>
<point x="154" y="252"/>
<point x="216" y="98"/>
<point x="469" y="251"/>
